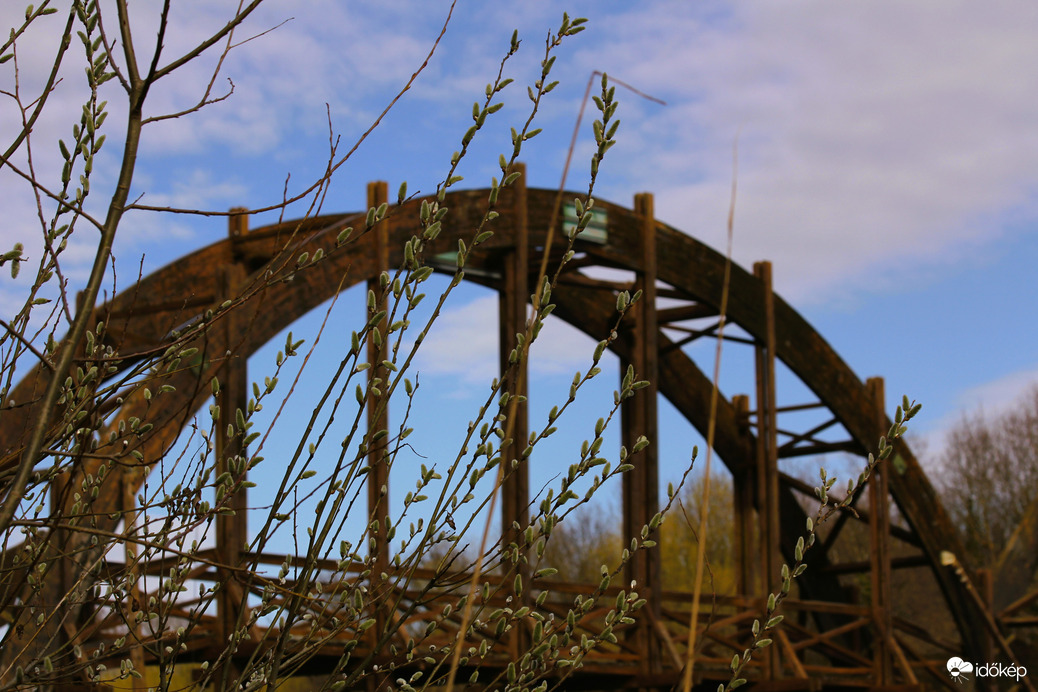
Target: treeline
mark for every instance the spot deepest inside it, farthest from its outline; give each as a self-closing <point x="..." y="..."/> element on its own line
<point x="579" y="547"/>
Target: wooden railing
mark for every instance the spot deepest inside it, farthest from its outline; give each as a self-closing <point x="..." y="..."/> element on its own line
<point x="424" y="613"/>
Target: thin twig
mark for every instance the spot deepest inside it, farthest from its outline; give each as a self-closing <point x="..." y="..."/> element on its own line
<point x="346" y="157"/>
<point x="697" y="587"/>
<point x="565" y="168"/>
<point x="509" y="432"/>
<point x="28" y="344"/>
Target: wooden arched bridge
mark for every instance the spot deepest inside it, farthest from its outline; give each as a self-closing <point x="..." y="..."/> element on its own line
<point x="848" y="624"/>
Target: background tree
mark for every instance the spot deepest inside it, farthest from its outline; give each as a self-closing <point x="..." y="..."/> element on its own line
<point x="580" y="548"/>
<point x="988" y="475"/>
<point x="988" y="480"/>
<point x="679" y="542"/>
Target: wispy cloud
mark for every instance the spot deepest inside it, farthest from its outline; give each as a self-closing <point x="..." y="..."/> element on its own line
<point x="995" y="397"/>
<point x="875" y="139"/>
<point x="989" y="399"/>
<point x="463" y="346"/>
<point x="871" y="136"/>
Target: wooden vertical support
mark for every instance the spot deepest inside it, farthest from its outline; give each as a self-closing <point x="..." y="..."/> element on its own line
<point x="378" y="413"/>
<point x="62" y="569"/>
<point x="879" y="548"/>
<point x="515" y="487"/>
<point x="986" y="589"/>
<point x="745" y="522"/>
<point x="231" y="529"/>
<point x="238" y="222"/>
<point x="378" y="406"/>
<point x="767" y="456"/>
<point x="638" y="418"/>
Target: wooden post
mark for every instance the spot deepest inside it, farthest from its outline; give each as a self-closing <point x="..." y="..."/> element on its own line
<point x="378" y="412"/>
<point x="232" y="529"/>
<point x="767" y="457"/>
<point x="238" y="223"/>
<point x="515" y="487"/>
<point x="745" y="524"/>
<point x="986" y="589"/>
<point x="879" y="549"/>
<point x="638" y="417"/>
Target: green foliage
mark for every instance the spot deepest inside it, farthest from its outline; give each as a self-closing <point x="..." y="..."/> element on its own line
<point x="678" y="540"/>
<point x="579" y="548"/>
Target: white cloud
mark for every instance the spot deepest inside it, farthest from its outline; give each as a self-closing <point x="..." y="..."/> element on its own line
<point x="198" y="188"/>
<point x="330" y="53"/>
<point x="463" y="345"/>
<point x="998" y="396"/>
<point x="872" y="136"/>
<point x="990" y="399"/>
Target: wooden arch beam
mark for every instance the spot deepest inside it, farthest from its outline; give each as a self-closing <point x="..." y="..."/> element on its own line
<point x="139" y="321"/>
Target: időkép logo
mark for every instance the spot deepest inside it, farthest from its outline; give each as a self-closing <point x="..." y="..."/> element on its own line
<point x="961" y="670"/>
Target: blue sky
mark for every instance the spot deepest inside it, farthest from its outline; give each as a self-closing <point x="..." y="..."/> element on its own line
<point x="888" y="158"/>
